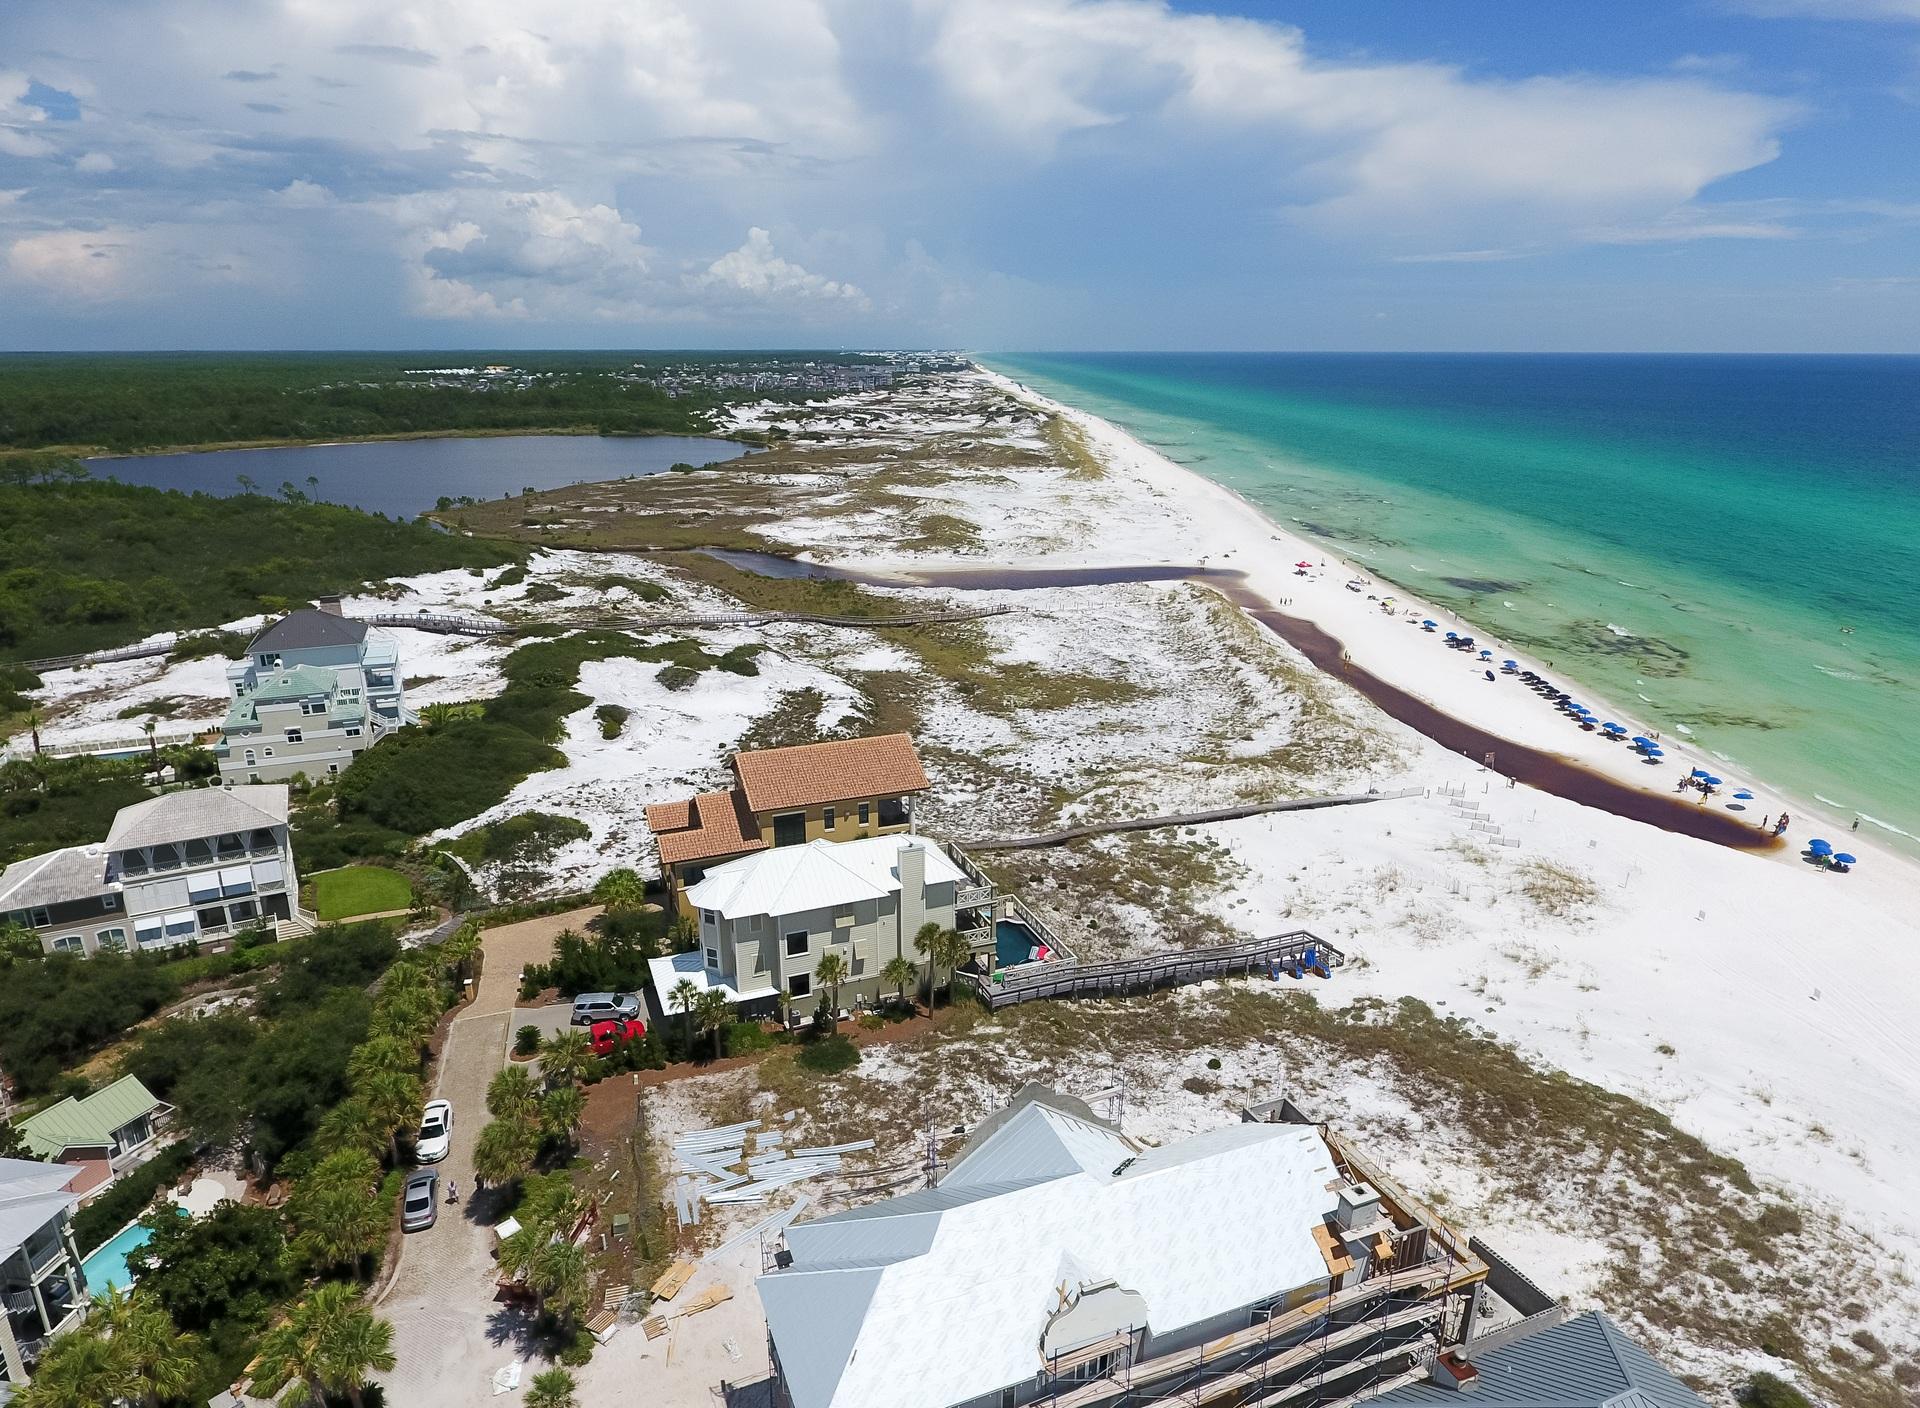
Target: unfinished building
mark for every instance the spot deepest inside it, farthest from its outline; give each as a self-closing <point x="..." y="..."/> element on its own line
<point x="1059" y="1262"/>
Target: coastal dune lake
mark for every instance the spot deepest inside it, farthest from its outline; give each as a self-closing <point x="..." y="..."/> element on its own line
<point x="402" y="478"/>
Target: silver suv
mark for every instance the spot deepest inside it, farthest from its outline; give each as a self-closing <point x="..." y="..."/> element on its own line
<point x="591" y="1007"/>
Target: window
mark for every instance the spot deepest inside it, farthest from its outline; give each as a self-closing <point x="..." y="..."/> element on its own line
<point x="251" y="759"/>
<point x="293" y="735"/>
<point x="269" y="662"/>
<point x="796" y="945"/>
<point x="790" y="830"/>
<point x="826" y="818"/>
<point x="707" y="916"/>
<point x="713" y="959"/>
<point x="332" y="768"/>
<point x="109" y="901"/>
<point x="266" y="752"/>
<point x="41" y="919"/>
<point x="1096" y="1368"/>
<point x="799" y="985"/>
<point x="866" y="815"/>
<point x="354" y="732"/>
<point x="243" y="909"/>
<point x="114" y="940"/>
<point x="69" y="943"/>
<point x="253" y="777"/>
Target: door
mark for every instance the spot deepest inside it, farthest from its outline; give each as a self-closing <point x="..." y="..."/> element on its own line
<point x="790" y="830"/>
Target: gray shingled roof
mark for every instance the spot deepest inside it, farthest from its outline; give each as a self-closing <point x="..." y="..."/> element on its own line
<point x="1585" y="1362"/>
<point x="200" y="812"/>
<point x="308" y="630"/>
<point x="54" y="877"/>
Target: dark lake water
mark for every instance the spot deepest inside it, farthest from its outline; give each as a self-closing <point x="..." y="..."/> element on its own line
<point x="402" y="478"/>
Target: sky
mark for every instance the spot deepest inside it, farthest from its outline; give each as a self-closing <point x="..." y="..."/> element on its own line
<point x="1695" y="175"/>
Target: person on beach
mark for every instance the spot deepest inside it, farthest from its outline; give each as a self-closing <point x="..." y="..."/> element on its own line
<point x="1856" y="825"/>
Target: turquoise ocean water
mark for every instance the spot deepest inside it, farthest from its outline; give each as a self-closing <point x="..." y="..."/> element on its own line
<point x="1729" y="545"/>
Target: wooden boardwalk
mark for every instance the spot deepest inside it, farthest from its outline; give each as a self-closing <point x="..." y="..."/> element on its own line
<point x="1155" y="823"/>
<point x="1121" y="976"/>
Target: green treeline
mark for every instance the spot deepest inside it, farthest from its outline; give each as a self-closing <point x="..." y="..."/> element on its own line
<point x="86" y="565"/>
<point x="164" y="400"/>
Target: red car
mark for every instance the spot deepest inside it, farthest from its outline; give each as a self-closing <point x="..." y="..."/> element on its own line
<point x="604" y="1036"/>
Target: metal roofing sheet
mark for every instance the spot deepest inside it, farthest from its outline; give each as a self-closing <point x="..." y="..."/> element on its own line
<point x="1585" y="1362"/>
<point x="87" y="1121"/>
<point x="818" y="875"/>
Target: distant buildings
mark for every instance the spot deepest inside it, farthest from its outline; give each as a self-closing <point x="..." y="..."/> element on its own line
<point x="197" y="866"/>
<point x="837" y="791"/>
<point x="315" y="690"/>
<point x="41" y="1286"/>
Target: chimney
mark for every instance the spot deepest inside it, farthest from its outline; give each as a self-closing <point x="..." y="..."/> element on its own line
<point x="330" y="605"/>
<point x="1359" y="1206"/>
<point x="911" y="864"/>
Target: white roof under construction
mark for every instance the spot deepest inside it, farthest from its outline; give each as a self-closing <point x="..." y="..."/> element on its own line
<point x="818" y="875"/>
<point x="943" y="1296"/>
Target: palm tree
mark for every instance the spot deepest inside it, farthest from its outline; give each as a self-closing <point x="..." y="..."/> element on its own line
<point x="552" y="1388"/>
<point x="620" y="891"/>
<point x="393" y="1099"/>
<point x="164" y="1362"/>
<point x="953" y="952"/>
<point x="80" y="1370"/>
<point x="685" y="996"/>
<point x="504" y="1152"/>
<point x="457" y="953"/>
<point x="382" y="1053"/>
<point x="565" y="1056"/>
<point x="149" y="728"/>
<point x="898" y="971"/>
<point x="830" y="972"/>
<point x="517" y="1253"/>
<point x="336" y="1219"/>
<point x="559" y="1279"/>
<point x="924" y="944"/>
<point x="350" y="1125"/>
<point x="33" y="727"/>
<point x="560" y="1112"/>
<point x="711" y="1013"/>
<point x="435" y="717"/>
<point x="330" y="1341"/>
<point x="510" y="1094"/>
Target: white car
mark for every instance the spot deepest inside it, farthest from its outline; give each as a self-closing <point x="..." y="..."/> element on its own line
<point x="436" y="1133"/>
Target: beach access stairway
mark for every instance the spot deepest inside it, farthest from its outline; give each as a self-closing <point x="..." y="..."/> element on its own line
<point x="1155" y="823"/>
<point x="1295" y="951"/>
<point x="454" y="625"/>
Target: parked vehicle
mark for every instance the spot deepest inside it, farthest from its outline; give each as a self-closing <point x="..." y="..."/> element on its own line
<point x="604" y="1007"/>
<point x="606" y="1036"/>
<point x="420" y="1206"/>
<point x="430" y="1145"/>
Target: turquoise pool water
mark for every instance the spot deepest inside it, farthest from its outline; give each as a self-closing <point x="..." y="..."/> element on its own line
<point x="107" y="1265"/>
<point x="1012" y="942"/>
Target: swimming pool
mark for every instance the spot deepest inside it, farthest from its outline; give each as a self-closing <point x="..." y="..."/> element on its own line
<point x="1013" y="943"/>
<point x="106" y="1265"/>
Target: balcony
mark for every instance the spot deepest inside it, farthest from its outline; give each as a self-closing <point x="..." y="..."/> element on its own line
<point x="973" y="897"/>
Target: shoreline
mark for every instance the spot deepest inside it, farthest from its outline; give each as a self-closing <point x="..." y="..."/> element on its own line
<point x="1366" y="643"/>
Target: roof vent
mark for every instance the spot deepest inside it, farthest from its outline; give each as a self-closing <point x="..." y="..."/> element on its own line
<point x="1123" y="1166"/>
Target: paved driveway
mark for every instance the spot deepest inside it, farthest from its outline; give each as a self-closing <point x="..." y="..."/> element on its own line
<point x="449" y="1335"/>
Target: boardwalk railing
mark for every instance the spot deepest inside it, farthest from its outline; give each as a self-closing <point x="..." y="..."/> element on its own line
<point x="1155" y="823"/>
<point x="1129" y="975"/>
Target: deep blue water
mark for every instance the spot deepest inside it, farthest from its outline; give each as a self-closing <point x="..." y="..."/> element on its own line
<point x="402" y="478"/>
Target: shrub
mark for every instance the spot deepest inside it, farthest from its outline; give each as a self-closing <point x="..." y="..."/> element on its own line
<point x="1766" y="1390"/>
<point x="1213" y="1063"/>
<point x="745" y="1038"/>
<point x="613" y="718"/>
<point x="677" y="677"/>
<point x="830" y="1055"/>
<point x="578" y="1350"/>
<point x="526" y="1041"/>
<point x="527" y="834"/>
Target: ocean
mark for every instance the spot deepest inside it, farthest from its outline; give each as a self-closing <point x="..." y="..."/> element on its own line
<point x="1729" y="545"/>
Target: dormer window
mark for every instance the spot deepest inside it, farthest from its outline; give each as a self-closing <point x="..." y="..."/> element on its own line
<point x="269" y="662"/>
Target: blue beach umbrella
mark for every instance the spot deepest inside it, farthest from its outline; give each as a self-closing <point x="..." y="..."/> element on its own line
<point x="1743" y="796"/>
<point x="1486" y="655"/>
<point x="1509" y="664"/>
<point x="1429" y="625"/>
<point x="1711" y="780"/>
<point x="1845" y="859"/>
<point x="1819" y="847"/>
<point x="1640" y="742"/>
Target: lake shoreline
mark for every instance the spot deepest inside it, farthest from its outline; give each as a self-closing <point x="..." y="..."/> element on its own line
<point x="87" y="453"/>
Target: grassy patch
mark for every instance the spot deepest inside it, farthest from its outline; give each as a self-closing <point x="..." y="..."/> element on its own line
<point x="358" y="890"/>
<point x="1558" y="890"/>
<point x="1070" y="448"/>
<point x="612" y="719"/>
<point x="516" y="835"/>
<point x="830" y="1055"/>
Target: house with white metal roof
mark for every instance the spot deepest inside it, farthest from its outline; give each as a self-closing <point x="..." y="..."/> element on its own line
<point x="43" y="1292"/>
<point x="1058" y="1261"/>
<point x="768" y="918"/>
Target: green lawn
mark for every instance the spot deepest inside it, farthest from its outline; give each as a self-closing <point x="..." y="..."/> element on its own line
<point x="359" y="889"/>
